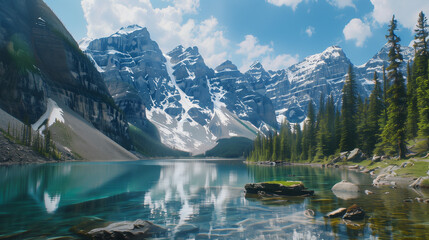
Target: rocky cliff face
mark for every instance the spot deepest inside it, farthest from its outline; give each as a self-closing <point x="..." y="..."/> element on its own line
<point x="40" y="59"/>
<point x="191" y="104"/>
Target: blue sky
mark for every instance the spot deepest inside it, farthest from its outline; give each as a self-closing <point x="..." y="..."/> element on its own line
<point x="276" y="32"/>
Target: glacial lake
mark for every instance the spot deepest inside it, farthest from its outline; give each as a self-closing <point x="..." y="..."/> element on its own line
<point x="204" y="197"/>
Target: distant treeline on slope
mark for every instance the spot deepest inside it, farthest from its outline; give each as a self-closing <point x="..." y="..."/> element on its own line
<point x="234" y="147"/>
<point x="381" y="125"/>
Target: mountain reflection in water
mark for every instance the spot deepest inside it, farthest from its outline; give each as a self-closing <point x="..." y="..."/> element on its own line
<point x="198" y="199"/>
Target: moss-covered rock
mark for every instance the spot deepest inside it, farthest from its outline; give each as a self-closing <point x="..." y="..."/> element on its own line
<point x="284" y="188"/>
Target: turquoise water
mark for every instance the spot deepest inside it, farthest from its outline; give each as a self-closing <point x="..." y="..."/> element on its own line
<point x="45" y="201"/>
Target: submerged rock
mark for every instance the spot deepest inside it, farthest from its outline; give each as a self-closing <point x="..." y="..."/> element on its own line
<point x="354" y="212"/>
<point x="128" y="230"/>
<point x="368" y="192"/>
<point x="337" y="213"/>
<point x="345" y="186"/>
<point x="268" y="188"/>
<point x="186" y="229"/>
<point x="346" y="190"/>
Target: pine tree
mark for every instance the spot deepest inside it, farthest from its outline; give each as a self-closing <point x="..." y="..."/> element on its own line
<point x="275" y="143"/>
<point x="413" y="111"/>
<point x="297" y="147"/>
<point x="337" y="129"/>
<point x="309" y="134"/>
<point x="420" y="43"/>
<point x="363" y="130"/>
<point x="386" y="86"/>
<point x="423" y="105"/>
<point x="348" y="121"/>
<point x="394" y="133"/>
<point x="420" y="74"/>
<point x="375" y="110"/>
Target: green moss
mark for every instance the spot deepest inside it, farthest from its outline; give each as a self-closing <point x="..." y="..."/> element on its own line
<point x="286" y="183"/>
<point x="419" y="169"/>
<point x="425" y="183"/>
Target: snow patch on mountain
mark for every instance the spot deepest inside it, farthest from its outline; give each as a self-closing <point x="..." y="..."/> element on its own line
<point x="53" y="113"/>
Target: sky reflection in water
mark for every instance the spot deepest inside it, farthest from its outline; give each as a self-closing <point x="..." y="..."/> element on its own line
<point x="197" y="199"/>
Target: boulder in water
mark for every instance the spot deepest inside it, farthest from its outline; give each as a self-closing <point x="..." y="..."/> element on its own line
<point x="337" y="213"/>
<point x="278" y="188"/>
<point x="354" y="212"/>
<point x="128" y="230"/>
<point x="346" y="190"/>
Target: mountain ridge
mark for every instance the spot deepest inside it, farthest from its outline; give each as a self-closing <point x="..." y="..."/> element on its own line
<point x="186" y="92"/>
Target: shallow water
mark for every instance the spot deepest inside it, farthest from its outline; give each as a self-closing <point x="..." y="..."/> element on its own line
<point x="44" y="201"/>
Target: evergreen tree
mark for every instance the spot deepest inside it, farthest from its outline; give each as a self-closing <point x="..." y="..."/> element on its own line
<point x="375" y="110"/>
<point x="326" y="129"/>
<point x="297" y="147"/>
<point x="421" y="35"/>
<point x="337" y="129"/>
<point x="386" y="86"/>
<point x="309" y="134"/>
<point x="363" y="130"/>
<point x="348" y="121"/>
<point x="275" y="143"/>
<point x="47" y="140"/>
<point x="413" y="111"/>
<point x="420" y="74"/>
<point x="423" y="105"/>
<point x="394" y="133"/>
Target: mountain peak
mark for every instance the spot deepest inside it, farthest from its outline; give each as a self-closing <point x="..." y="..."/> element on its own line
<point x="130" y="29"/>
<point x="256" y="66"/>
<point x="192" y="50"/>
<point x="335" y="51"/>
<point x="226" y="66"/>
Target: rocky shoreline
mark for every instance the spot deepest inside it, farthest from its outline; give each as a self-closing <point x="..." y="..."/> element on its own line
<point x="12" y="153"/>
<point x="384" y="177"/>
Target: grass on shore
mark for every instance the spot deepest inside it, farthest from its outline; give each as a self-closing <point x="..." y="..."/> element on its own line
<point x="286" y="183"/>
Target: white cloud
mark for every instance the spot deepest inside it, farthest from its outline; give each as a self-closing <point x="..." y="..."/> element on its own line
<point x="406" y="11"/>
<point x="167" y="25"/>
<point x="253" y="51"/>
<point x="342" y="3"/>
<point x="280" y="62"/>
<point x="358" y="31"/>
<point x="251" y="47"/>
<point x="290" y="3"/>
<point x="310" y="31"/>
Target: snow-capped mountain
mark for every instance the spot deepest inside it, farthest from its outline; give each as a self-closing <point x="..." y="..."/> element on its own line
<point x="291" y="89"/>
<point x="191" y="104"/>
<point x="365" y="72"/>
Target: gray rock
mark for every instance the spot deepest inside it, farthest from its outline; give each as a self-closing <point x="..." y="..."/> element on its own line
<point x="356" y="155"/>
<point x="354" y="167"/>
<point x="337" y="213"/>
<point x="354" y="212"/>
<point x="376" y="158"/>
<point x="128" y="230"/>
<point x="345" y="190"/>
<point x="345" y="186"/>
<point x="186" y="229"/>
<point x="263" y="189"/>
<point x="417" y="183"/>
